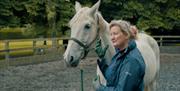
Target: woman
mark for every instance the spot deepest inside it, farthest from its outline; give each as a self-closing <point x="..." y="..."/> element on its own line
<point x="127" y="68"/>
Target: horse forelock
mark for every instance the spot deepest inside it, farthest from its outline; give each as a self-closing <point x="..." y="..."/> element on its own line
<point x="79" y="15"/>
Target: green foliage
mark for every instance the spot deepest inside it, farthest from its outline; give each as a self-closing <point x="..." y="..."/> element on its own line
<point x="6" y="14"/>
<point x="65" y="12"/>
<point x="11" y="33"/>
<point x="49" y="17"/>
<point x="144" y="13"/>
<point x="5" y="6"/>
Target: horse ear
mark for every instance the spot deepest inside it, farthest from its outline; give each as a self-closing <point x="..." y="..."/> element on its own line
<point x="95" y="8"/>
<point x="77" y="6"/>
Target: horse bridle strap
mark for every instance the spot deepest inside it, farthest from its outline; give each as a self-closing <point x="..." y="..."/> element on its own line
<point x="85" y="46"/>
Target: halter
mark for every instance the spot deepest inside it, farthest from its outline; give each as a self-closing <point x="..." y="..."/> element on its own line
<point x="86" y="47"/>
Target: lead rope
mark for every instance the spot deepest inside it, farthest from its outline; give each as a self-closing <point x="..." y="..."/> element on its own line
<point x="82" y="76"/>
<point x="86" y="50"/>
<point x="82" y="87"/>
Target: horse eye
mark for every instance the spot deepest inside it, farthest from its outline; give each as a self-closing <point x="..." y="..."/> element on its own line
<point x="87" y="26"/>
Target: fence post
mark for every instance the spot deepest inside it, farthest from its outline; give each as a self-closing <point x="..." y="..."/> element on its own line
<point x="161" y="40"/>
<point x="7" y="52"/>
<point x="34" y="46"/>
<point x="54" y="43"/>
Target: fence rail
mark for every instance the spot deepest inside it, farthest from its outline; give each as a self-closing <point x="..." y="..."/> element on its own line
<point x="168" y="40"/>
<point x="162" y="41"/>
<point x="55" y="43"/>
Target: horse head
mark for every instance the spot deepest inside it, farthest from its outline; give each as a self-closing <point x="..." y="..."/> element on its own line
<point x="84" y="31"/>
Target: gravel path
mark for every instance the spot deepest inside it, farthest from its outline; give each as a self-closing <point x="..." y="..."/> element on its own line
<point x="54" y="76"/>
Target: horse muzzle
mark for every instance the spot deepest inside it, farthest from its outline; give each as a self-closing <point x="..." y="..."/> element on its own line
<point x="71" y="62"/>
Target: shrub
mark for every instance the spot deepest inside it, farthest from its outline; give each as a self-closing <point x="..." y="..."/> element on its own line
<point x="11" y="33"/>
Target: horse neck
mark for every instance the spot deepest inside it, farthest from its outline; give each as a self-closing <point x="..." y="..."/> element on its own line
<point x="105" y="39"/>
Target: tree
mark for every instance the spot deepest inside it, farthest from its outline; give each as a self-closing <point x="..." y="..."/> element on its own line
<point x="147" y="15"/>
<point x="64" y="13"/>
<point x="7" y="17"/>
<point x="51" y="17"/>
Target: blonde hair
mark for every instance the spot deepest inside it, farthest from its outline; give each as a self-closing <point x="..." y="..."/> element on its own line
<point x="123" y="25"/>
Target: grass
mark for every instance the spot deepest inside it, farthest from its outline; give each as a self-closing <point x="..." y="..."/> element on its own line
<point x="178" y="44"/>
<point x="23" y="44"/>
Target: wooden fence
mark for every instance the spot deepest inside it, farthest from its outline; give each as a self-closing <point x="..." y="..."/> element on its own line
<point x="57" y="42"/>
<point x="168" y="40"/>
<point x="162" y="41"/>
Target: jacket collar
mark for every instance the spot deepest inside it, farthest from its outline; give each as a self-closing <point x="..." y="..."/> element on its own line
<point x="131" y="46"/>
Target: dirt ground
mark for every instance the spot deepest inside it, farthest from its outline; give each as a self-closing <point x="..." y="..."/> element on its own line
<point x="55" y="76"/>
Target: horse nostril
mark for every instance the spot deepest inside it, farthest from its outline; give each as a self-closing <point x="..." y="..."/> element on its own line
<point x="71" y="59"/>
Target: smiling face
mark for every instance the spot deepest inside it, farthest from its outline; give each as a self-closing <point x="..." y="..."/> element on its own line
<point x="118" y="37"/>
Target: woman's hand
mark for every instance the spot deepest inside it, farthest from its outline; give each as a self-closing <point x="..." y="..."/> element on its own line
<point x="99" y="50"/>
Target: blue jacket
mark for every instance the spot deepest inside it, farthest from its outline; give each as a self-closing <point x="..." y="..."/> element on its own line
<point x="126" y="71"/>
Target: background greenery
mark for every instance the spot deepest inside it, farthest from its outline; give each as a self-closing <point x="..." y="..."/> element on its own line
<point x="49" y="18"/>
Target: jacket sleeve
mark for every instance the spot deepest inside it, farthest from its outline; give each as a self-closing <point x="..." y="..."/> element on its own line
<point x="129" y="78"/>
<point x="102" y="65"/>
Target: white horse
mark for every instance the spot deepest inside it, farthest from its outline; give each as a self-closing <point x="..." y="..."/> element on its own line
<point x="88" y="24"/>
